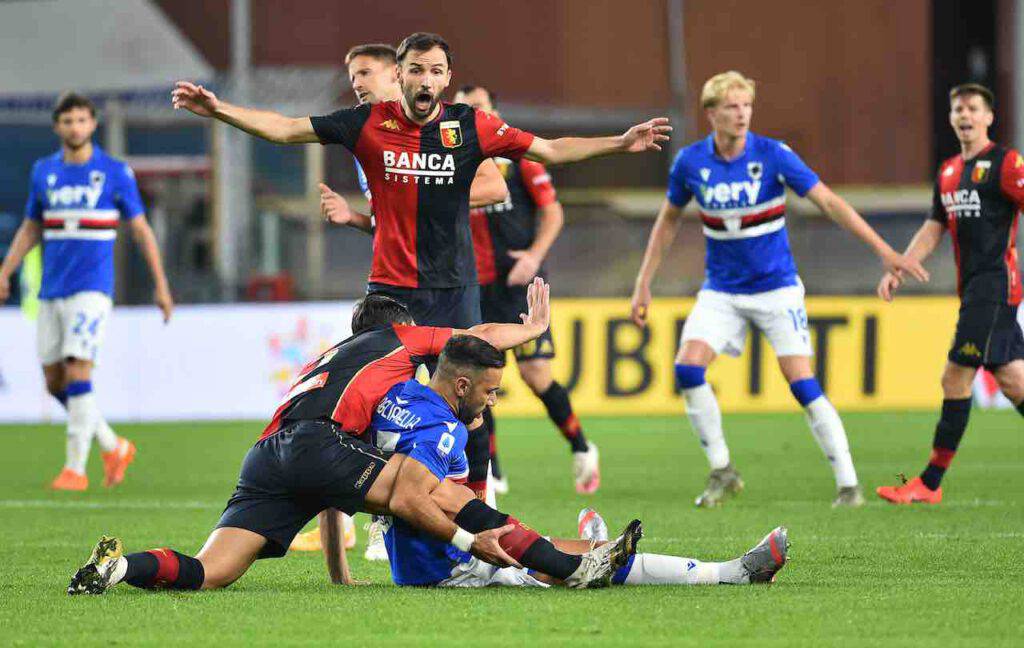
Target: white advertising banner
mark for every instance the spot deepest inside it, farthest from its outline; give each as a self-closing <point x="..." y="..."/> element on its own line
<point x="209" y="362"/>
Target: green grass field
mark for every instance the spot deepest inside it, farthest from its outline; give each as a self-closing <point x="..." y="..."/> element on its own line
<point x="881" y="575"/>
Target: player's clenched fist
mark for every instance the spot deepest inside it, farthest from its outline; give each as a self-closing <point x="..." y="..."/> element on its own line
<point x="333" y="207"/>
<point x="639" y="304"/>
<point x="194" y="98"/>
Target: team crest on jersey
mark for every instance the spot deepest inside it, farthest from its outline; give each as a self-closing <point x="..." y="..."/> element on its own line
<point x="755" y="170"/>
<point x="390" y="124"/>
<point x="96" y="178"/>
<point x="705" y="174"/>
<point x="451" y="134"/>
<point x="980" y="172"/>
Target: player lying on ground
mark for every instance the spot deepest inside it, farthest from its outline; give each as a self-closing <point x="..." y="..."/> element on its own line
<point x="77" y="198"/>
<point x="511" y="240"/>
<point x="978" y="197"/>
<point x="419" y="560"/>
<point x="302" y="468"/>
<point x="737" y="179"/>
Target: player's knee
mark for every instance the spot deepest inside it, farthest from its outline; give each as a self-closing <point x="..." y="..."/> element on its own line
<point x="806" y="391"/>
<point x="695" y="352"/>
<point x="690" y="376"/>
<point x="1011" y="383"/>
<point x="956" y="382"/>
<point x="77" y="370"/>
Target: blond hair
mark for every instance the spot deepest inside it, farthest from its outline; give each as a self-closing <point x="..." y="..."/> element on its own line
<point x="715" y="88"/>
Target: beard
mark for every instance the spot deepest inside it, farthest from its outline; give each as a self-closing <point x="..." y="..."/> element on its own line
<point x="465" y="413"/>
<point x="421" y="103"/>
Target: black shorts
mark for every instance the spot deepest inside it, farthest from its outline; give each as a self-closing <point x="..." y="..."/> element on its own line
<point x="987" y="335"/>
<point x="502" y="303"/>
<point x="290" y="476"/>
<point x="452" y="307"/>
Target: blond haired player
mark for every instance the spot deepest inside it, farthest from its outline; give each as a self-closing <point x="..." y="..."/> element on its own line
<point x="738" y="179"/>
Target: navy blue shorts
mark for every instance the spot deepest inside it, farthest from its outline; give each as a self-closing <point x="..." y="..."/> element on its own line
<point x="987" y="335"/>
<point x="452" y="307"/>
<point x="290" y="476"/>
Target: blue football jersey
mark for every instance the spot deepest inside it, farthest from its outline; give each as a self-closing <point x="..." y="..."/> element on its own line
<point x="364" y="184"/>
<point x="79" y="207"/>
<point x="743" y="208"/>
<point x="412" y="419"/>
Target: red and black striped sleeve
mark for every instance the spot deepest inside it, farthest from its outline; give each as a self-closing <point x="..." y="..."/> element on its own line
<point x="537" y="181"/>
<point x="342" y="126"/>
<point x="422" y="341"/>
<point x="498" y="139"/>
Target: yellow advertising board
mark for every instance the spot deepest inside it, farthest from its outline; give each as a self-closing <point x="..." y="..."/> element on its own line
<point x="869" y="355"/>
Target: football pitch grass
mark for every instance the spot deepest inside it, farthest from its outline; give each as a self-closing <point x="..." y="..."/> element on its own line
<point x="881" y="575"/>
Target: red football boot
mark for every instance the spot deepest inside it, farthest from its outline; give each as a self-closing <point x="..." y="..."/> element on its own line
<point x="910" y="492"/>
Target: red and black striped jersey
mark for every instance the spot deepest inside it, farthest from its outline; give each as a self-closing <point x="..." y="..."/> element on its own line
<point x="347" y="381"/>
<point x="420" y="178"/>
<point x="979" y="201"/>
<point x="510" y="225"/>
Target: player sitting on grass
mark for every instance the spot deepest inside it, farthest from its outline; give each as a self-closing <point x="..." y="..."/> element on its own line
<point x="307" y="465"/>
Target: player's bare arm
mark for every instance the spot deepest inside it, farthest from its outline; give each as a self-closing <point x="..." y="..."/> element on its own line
<point x="411" y="500"/>
<point x="332" y="535"/>
<point x="27" y="237"/>
<point x="142" y="233"/>
<point x="336" y="210"/>
<point x="921" y="247"/>
<point x="647" y="136"/>
<point x="488" y="185"/>
<point x="261" y="123"/>
<point x="666" y="226"/>
<point x="550" y="219"/>
<point x="840" y="211"/>
<point x="536" y="320"/>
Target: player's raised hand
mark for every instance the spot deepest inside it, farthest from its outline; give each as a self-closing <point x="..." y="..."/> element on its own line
<point x="646" y="136"/>
<point x="538" y="306"/>
<point x="639" y="304"/>
<point x="164" y="301"/>
<point x="525" y="268"/>
<point x="888" y="285"/>
<point x="900" y="263"/>
<point x="485" y="547"/>
<point x="194" y="98"/>
<point x="333" y="207"/>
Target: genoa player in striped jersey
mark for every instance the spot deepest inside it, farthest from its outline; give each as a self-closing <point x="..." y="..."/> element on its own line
<point x="979" y="195"/>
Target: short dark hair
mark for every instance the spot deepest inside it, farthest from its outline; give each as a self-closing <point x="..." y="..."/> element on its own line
<point x="469" y="352"/>
<point x="423" y="42"/>
<point x="466" y="89"/>
<point x="380" y="51"/>
<point x="968" y="89"/>
<point x="70" y="100"/>
<point x="378" y="310"/>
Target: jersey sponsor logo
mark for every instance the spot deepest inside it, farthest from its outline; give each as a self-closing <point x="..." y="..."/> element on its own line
<point x="393" y="413"/>
<point x="962" y="203"/>
<point x="980" y="173"/>
<point x="419" y="168"/>
<point x="451" y="134"/>
<point x="726" y="192"/>
<point x="390" y="124"/>
<point x="755" y="170"/>
<point x="76" y="195"/>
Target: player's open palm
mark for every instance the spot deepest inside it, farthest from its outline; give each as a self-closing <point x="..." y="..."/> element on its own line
<point x="538" y="305"/>
<point x="333" y="207"/>
<point x="639" y="304"/>
<point x="487" y="548"/>
<point x="194" y="98"/>
<point x="888" y="285"/>
<point x="646" y="136"/>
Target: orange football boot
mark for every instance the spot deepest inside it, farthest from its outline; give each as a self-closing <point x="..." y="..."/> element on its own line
<point x="69" y="480"/>
<point x="910" y="492"/>
<point x="116" y="462"/>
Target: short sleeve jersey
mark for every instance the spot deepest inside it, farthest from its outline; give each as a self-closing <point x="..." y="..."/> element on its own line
<point x="79" y="207"/>
<point x="420" y="178"/>
<point x="742" y="205"/>
<point x="347" y="381"/>
<point x="512" y="224"/>
<point x="979" y="201"/>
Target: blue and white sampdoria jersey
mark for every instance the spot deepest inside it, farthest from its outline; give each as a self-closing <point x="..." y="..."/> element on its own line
<point x="743" y="208"/>
<point x="414" y="420"/>
<point x="79" y="207"/>
<point x="364" y="184"/>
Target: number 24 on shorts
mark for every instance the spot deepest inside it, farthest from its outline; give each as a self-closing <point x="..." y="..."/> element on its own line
<point x="80" y="323"/>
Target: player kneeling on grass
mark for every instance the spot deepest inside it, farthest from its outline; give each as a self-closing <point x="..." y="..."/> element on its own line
<point x="320" y="467"/>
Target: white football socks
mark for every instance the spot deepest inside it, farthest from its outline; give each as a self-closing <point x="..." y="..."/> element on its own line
<point x="105" y="436"/>
<point x="81" y="427"/>
<point x="827" y="428"/>
<point x="706" y="419"/>
<point x="656" y="569"/>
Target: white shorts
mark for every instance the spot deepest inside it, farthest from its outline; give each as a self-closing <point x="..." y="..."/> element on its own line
<point x="72" y="327"/>
<point x="477" y="573"/>
<point x="722" y="320"/>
